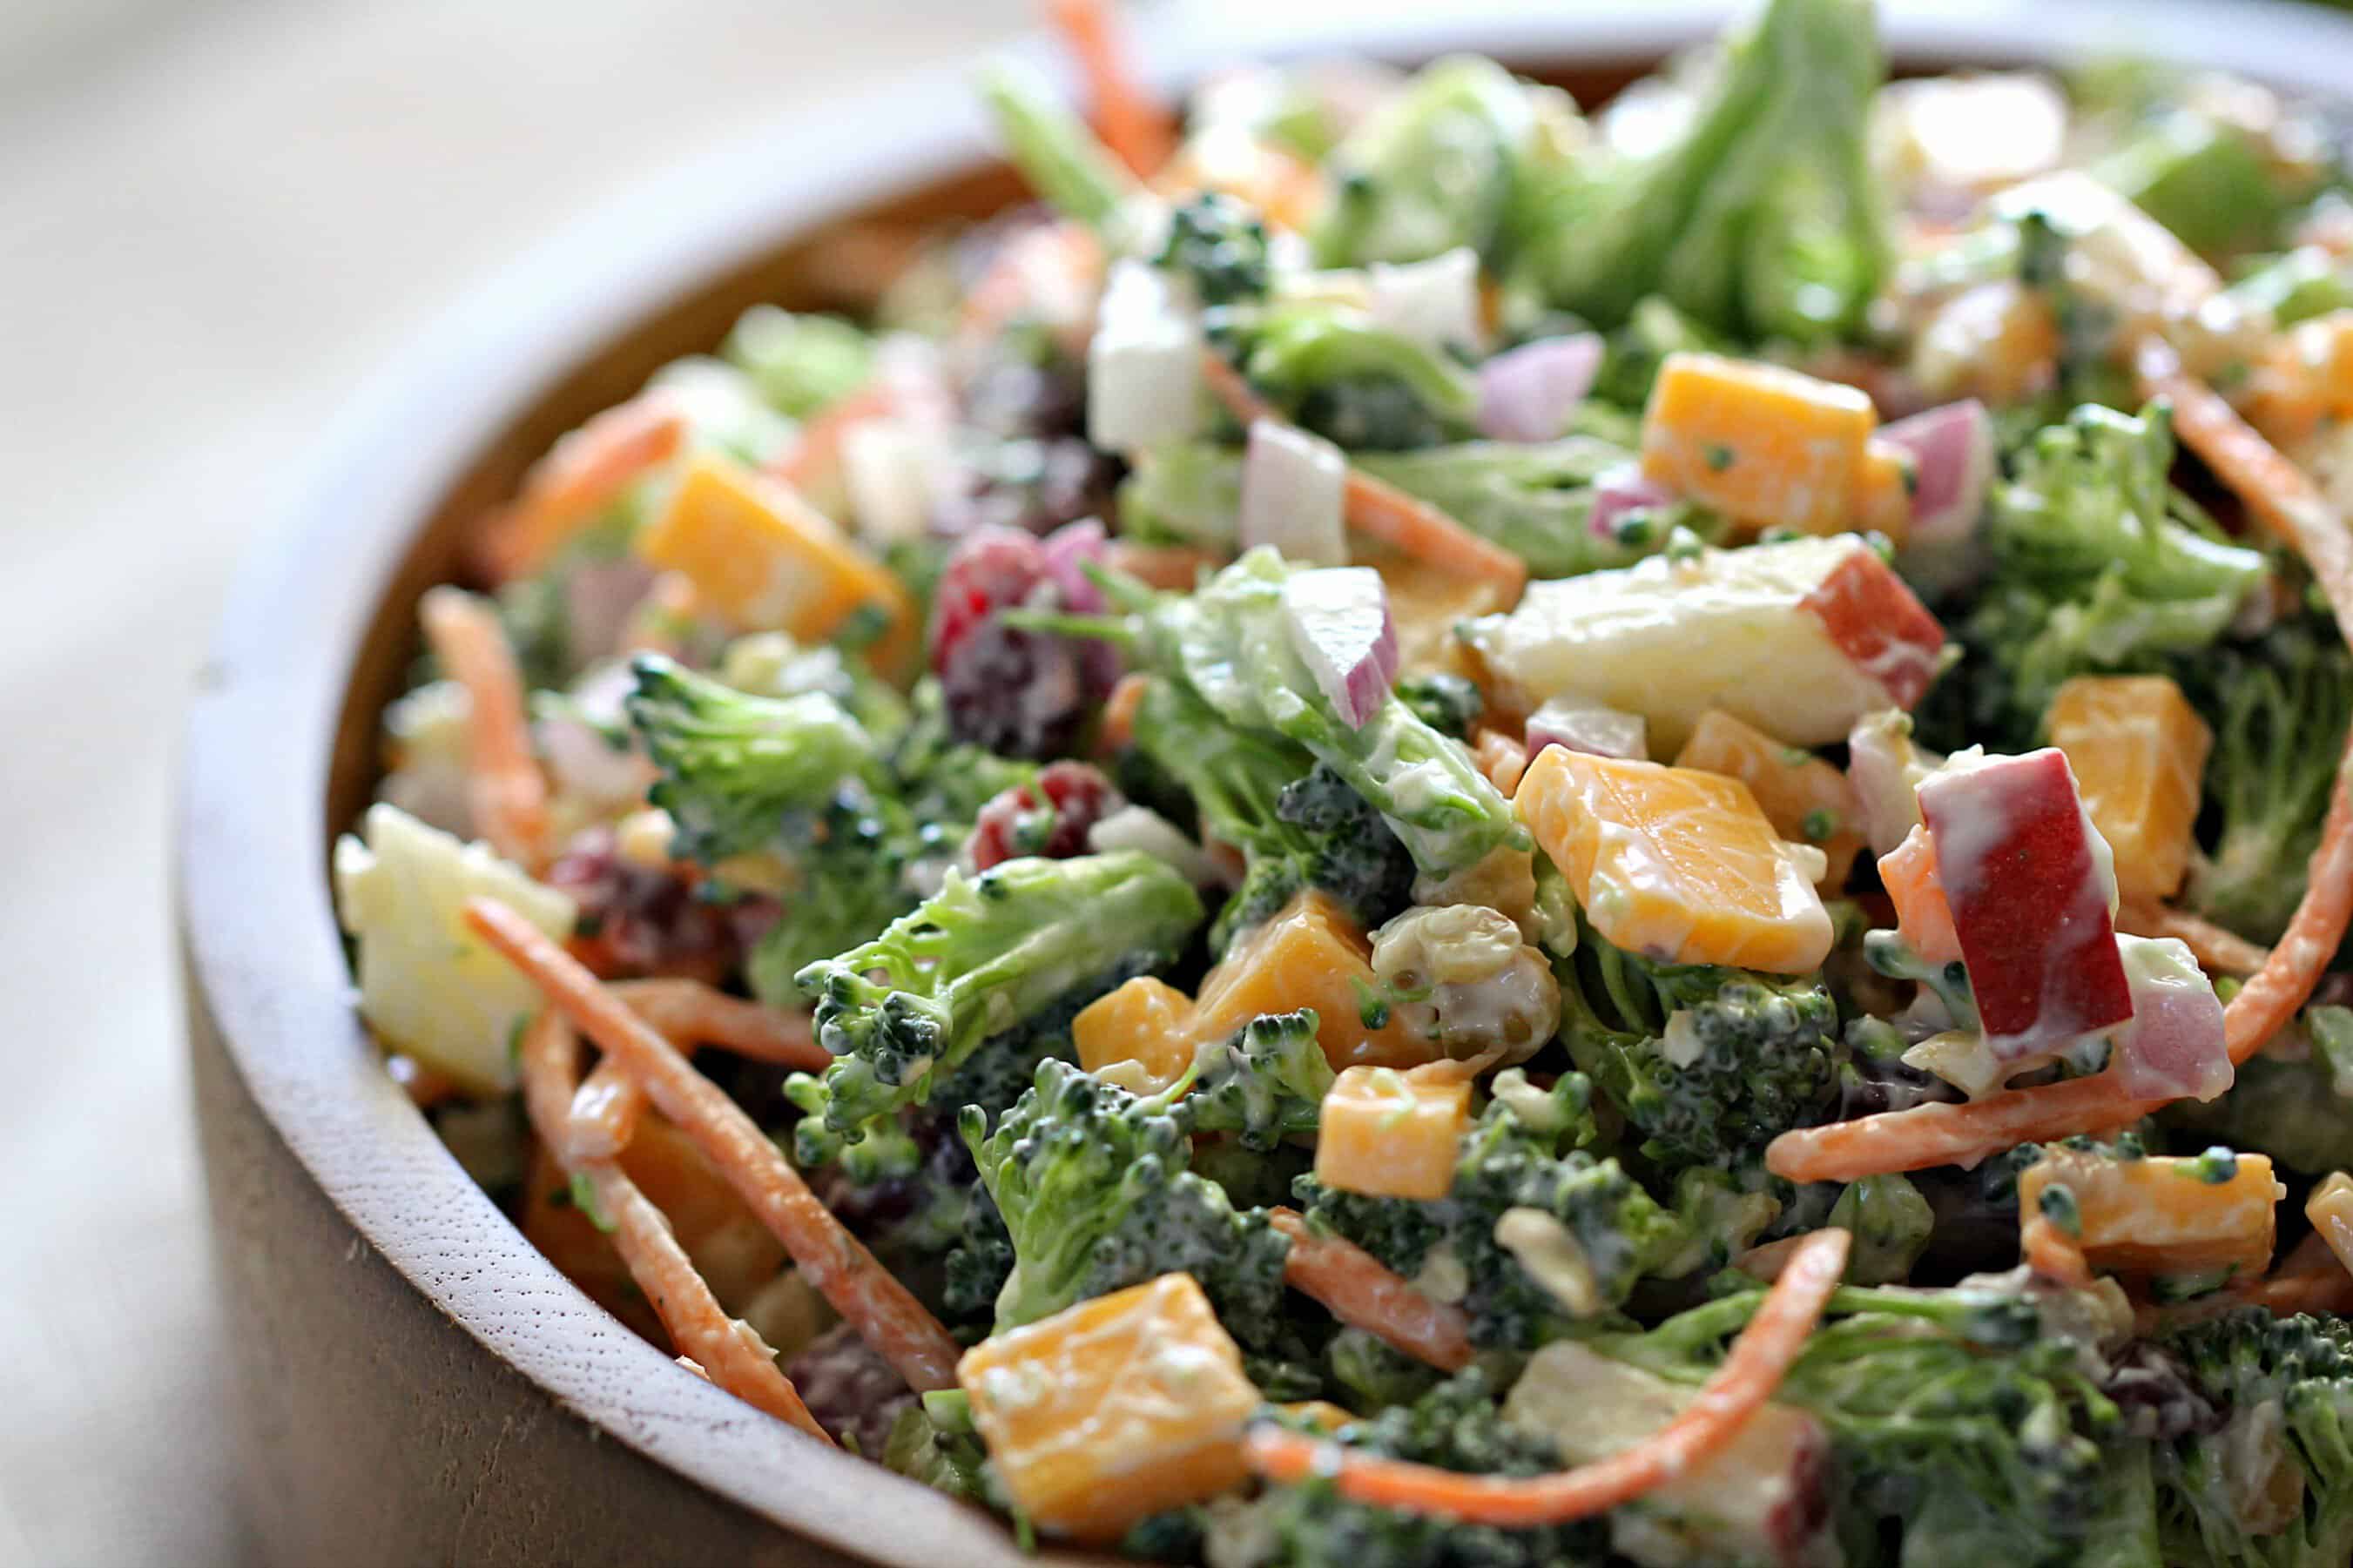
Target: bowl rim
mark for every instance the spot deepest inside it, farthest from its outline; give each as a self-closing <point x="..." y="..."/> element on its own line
<point x="263" y="949"/>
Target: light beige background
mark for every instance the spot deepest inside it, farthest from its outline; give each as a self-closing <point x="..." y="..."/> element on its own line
<point x="214" y="220"/>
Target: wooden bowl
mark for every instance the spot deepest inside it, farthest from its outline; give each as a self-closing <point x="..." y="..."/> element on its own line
<point x="418" y="1384"/>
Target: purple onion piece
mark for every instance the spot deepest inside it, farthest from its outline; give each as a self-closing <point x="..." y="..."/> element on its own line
<point x="1952" y="451"/>
<point x="1620" y="491"/>
<point x="1339" y="622"/>
<point x="1591" y="727"/>
<point x="1527" y="394"/>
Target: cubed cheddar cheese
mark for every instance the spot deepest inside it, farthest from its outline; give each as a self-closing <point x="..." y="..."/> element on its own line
<point x="1425" y="604"/>
<point x="2306" y="377"/>
<point x="1113" y="1410"/>
<point x="1806" y="799"/>
<point x="1391" y="1134"/>
<point x="767" y="561"/>
<point x="1146" y="1021"/>
<point x="1766" y="446"/>
<point x="1675" y="863"/>
<point x="1997" y="341"/>
<point x="2159" y="1215"/>
<point x="1883" y="486"/>
<point x="2139" y="749"/>
<point x="1308" y="954"/>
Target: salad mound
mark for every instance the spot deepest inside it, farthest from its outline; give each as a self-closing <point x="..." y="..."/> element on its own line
<point x="1432" y="827"/>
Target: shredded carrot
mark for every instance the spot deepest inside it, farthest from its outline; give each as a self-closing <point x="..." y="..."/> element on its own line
<point x="2217" y="951"/>
<point x="1502" y="759"/>
<point x="1118" y="726"/>
<point x="604" y="1115"/>
<point x="723" y="1349"/>
<point x="1365" y="1294"/>
<point x="694" y="1014"/>
<point x="505" y="787"/>
<point x="2052" y="1254"/>
<point x="885" y="1313"/>
<point x="577" y="477"/>
<point x="1132" y="126"/>
<point x="1741" y="1386"/>
<point x="1767" y="1262"/>
<point x="1375" y="508"/>
<point x="2279" y="494"/>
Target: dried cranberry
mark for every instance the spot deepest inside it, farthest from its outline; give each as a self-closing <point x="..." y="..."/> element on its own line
<point x="640" y="920"/>
<point x="1051" y="817"/>
<point x="992" y="569"/>
<point x="850" y="1390"/>
<point x="1017" y="693"/>
<point x="1034" y="486"/>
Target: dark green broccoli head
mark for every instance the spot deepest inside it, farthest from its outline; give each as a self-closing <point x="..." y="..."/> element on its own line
<point x="1220" y="245"/>
<point x="1266" y="1082"/>
<point x="1517" y="1155"/>
<point x="850" y="878"/>
<point x="2275" y="1485"/>
<point x="1092" y="1186"/>
<point x="1708" y="1064"/>
<point x="1447" y="703"/>
<point x="981" y="956"/>
<point x="735" y="767"/>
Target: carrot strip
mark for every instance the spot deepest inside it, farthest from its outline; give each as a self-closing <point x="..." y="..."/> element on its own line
<point x="886" y="1314"/>
<point x="723" y="1349"/>
<point x="2286" y="500"/>
<point x="1379" y="508"/>
<point x="579" y="474"/>
<point x="1501" y="758"/>
<point x="1751" y="1372"/>
<point x="2217" y="951"/>
<point x="1118" y="724"/>
<point x="694" y="1014"/>
<point x="1364" y="1294"/>
<point x="602" y="1117"/>
<point x="1131" y="126"/>
<point x="507" y="792"/>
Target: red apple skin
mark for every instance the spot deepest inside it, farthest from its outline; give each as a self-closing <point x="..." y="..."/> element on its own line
<point x="1879" y="624"/>
<point x="2014" y="853"/>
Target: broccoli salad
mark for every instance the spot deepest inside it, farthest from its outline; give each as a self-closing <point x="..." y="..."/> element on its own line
<point x="1434" y="827"/>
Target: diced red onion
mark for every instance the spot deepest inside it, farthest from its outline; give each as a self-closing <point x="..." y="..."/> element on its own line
<point x="1292" y="495"/>
<point x="1339" y="617"/>
<point x="1527" y="394"/>
<point x="1952" y="451"/>
<point x="1620" y="491"/>
<point x="1065" y="552"/>
<point x="2173" y="1046"/>
<point x="598" y="597"/>
<point x="1588" y="727"/>
<point x="586" y="765"/>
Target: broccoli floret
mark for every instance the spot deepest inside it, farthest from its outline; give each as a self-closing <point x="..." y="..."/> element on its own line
<point x="1229" y="642"/>
<point x="1336" y="373"/>
<point x="2298" y="1112"/>
<point x="980" y="956"/>
<point x="2274" y="1485"/>
<point x="1092" y="1184"/>
<point x="2280" y="709"/>
<point x="1947" y="1402"/>
<point x="1447" y="703"/>
<point x="1220" y="245"/>
<point x="799" y="363"/>
<point x="1604" y="1228"/>
<point x="933" y="1441"/>
<point x="1296" y="823"/>
<point x="1266" y="1082"/>
<point x="1459" y="1426"/>
<point x="735" y="766"/>
<point x="1708" y="1064"/>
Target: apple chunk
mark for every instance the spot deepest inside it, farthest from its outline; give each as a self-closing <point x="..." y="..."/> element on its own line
<point x="2032" y="897"/>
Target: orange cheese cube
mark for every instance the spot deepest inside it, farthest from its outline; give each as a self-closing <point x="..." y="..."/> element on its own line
<point x="1807" y="800"/>
<point x="767" y="561"/>
<point x="2162" y="1215"/>
<point x="1114" y="1409"/>
<point x="1673" y="863"/>
<point x="2305" y="377"/>
<point x="2139" y="749"/>
<point x="1996" y="341"/>
<point x="1923" y="916"/>
<point x="1391" y="1134"/>
<point x="1311" y="954"/>
<point x="1884" y="489"/>
<point x="1426" y="603"/>
<point x="1146" y="1021"/>
<point x="1766" y="446"/>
